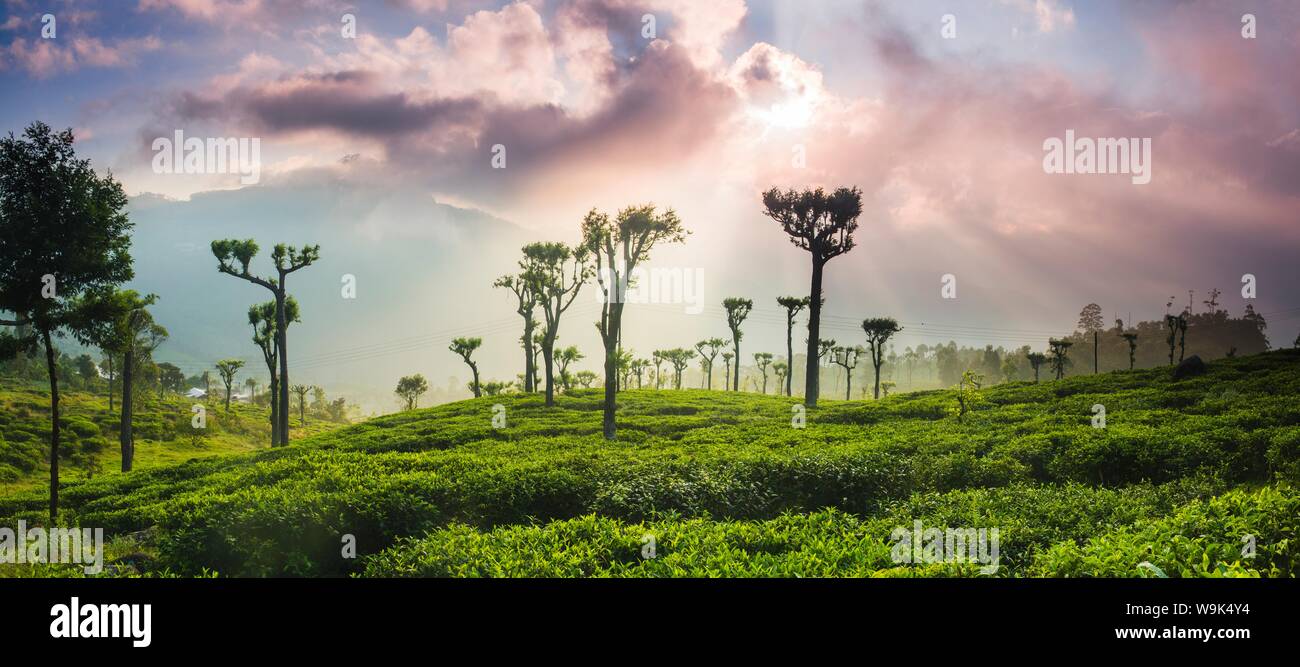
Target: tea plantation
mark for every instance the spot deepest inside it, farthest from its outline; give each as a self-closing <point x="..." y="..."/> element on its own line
<point x="1181" y="477"/>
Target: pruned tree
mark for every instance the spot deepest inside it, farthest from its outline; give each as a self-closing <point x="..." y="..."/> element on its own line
<point x="658" y="357"/>
<point x="262" y="317"/>
<point x="301" y="391"/>
<point x="680" y="359"/>
<point x="782" y="370"/>
<point x="586" y="379"/>
<point x="1059" y="355"/>
<point x="64" y="238"/>
<point x="968" y="393"/>
<point x="1132" y="339"/>
<point x="123" y="326"/>
<point x="793" y="305"/>
<point x="227" y="368"/>
<point x="563" y="358"/>
<point x="847" y="358"/>
<point x="1036" y="360"/>
<point x="823" y="225"/>
<point x="617" y="246"/>
<point x="526" y="304"/>
<point x="555" y="273"/>
<point x="465" y="348"/>
<point x="737" y="310"/>
<point x="639" y="367"/>
<point x="879" y="330"/>
<point x="410" y="388"/>
<point x="233" y="257"/>
<point x="1173" y="325"/>
<point x="762" y="360"/>
<point x="709" y="350"/>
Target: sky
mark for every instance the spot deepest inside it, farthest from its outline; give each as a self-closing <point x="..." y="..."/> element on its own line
<point x="380" y="145"/>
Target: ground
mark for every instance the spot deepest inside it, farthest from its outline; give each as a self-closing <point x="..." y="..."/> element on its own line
<point x="1185" y="478"/>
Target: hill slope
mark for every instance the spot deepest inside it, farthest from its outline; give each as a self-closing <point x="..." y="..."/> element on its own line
<point x="729" y="486"/>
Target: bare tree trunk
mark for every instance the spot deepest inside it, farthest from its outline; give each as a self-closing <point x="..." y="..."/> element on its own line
<point x="281" y="342"/>
<point x="814" y="333"/>
<point x="125" y="436"/>
<point x="53" y="370"/>
<point x="530" y="372"/>
<point x="789" y="354"/>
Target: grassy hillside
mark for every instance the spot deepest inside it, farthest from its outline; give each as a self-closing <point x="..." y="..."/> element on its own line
<point x="90" y="447"/>
<point x="727" y="486"/>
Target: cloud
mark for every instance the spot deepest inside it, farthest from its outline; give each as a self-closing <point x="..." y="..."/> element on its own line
<point x="43" y="58"/>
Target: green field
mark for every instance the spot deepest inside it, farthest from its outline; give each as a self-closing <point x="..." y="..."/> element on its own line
<point x="1183" y="475"/>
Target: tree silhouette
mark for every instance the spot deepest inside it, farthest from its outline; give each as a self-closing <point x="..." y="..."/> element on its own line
<point x="639" y="367"/>
<point x="251" y="384"/>
<point x="465" y="348"/>
<point x="763" y="360"/>
<point x="1132" y="339"/>
<point x="1173" y="325"/>
<point x="565" y="357"/>
<point x="782" y="370"/>
<point x="823" y="225"/>
<point x="526" y="299"/>
<point x="227" y="368"/>
<point x="726" y="360"/>
<point x="709" y="350"/>
<point x="847" y="358"/>
<point x="617" y="246"/>
<point x="737" y="310"/>
<point x="410" y="388"/>
<point x="1036" y="360"/>
<point x="262" y="317"/>
<point x="879" y="330"/>
<point x="64" y="238"/>
<point x="287" y="260"/>
<point x="792" y="305"/>
<point x="1060" y="360"/>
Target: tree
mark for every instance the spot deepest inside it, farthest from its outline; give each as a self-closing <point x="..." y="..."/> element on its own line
<point x="1091" y="322"/>
<point x="64" y="236"/>
<point x="847" y="358"/>
<point x="555" y="273"/>
<point x="617" y="247"/>
<point x="565" y="357"/>
<point x="782" y="370"/>
<point x="1036" y="360"/>
<point x="86" y="369"/>
<point x="1060" y="360"/>
<point x="823" y="225"/>
<point x="639" y="367"/>
<point x="496" y="388"/>
<point x="737" y="310"/>
<point x="792" y="305"/>
<point x="726" y="360"/>
<point x="301" y="390"/>
<point x="886" y="387"/>
<point x="410" y="388"/>
<point x="287" y="260"/>
<point x="762" y="360"/>
<point x="109" y="365"/>
<point x="251" y="384"/>
<point x="465" y="348"/>
<point x="1174" y="324"/>
<point x="879" y="330"/>
<point x="526" y="299"/>
<point x="262" y="317"/>
<point x="171" y="378"/>
<point x="586" y="379"/>
<point x="709" y="350"/>
<point x="679" y="359"/>
<point x="125" y="327"/>
<point x="1132" y="339"/>
<point x="967" y="393"/>
<point x="228" y="368"/>
<point x="658" y="357"/>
